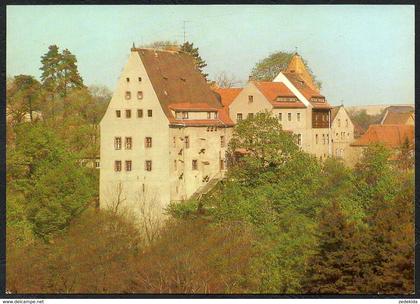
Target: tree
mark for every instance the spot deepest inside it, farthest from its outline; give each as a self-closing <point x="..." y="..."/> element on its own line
<point x="223" y="80"/>
<point x="189" y="48"/>
<point x="364" y="120"/>
<point x="337" y="266"/>
<point x="268" y="68"/>
<point x="60" y="73"/>
<point x="23" y="97"/>
<point x="162" y="45"/>
<point x="405" y="156"/>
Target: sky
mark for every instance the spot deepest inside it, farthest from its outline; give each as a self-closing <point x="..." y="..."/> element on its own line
<point x="363" y="54"/>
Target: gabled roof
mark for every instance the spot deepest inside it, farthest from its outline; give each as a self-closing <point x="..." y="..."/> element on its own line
<point x="397" y="118"/>
<point x="177" y="82"/>
<point x="297" y="66"/>
<point x="272" y="90"/>
<point x="400" y="109"/>
<point x="300" y="84"/>
<point x="227" y="95"/>
<point x="334" y="112"/>
<point x="392" y="136"/>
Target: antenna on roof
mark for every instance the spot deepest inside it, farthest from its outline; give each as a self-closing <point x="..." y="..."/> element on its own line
<point x="134" y="46"/>
<point x="296" y="48"/>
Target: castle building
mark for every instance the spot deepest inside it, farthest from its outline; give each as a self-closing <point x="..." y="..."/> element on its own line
<point x="165" y="133"/>
<point x="342" y="130"/>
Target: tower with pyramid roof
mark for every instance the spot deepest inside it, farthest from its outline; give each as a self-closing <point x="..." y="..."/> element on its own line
<point x="297" y="66"/>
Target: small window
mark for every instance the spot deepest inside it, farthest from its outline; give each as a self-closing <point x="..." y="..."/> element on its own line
<point x="215" y="115"/>
<point x="250" y="98"/>
<point x="128" y="165"/>
<point x="208" y="115"/>
<point x="97" y="164"/>
<point x="222" y="141"/>
<point x="139" y="79"/>
<point x="289" y="116"/>
<point x="194" y="164"/>
<point x="316" y="138"/>
<point x="280" y="116"/>
<point x="250" y="115"/>
<point x="117" y="143"/>
<point x="127" y="79"/>
<point x="323" y="139"/>
<point x="174" y="141"/>
<point x="328" y="138"/>
<point x="239" y="116"/>
<point x="175" y="165"/>
<point x="298" y="116"/>
<point x="139" y="95"/>
<point x="148" y="165"/>
<point x="184" y="115"/>
<point x="148" y="142"/>
<point x="222" y="164"/>
<point x="187" y="142"/>
<point x="117" y="166"/>
<point x="140" y="113"/>
<point x="128" y="143"/>
<point x="118" y="113"/>
<point x="149" y="113"/>
<point x="127" y="113"/>
<point x="128" y="95"/>
<point x="299" y="139"/>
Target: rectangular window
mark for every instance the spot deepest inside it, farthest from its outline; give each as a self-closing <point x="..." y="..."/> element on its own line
<point x="289" y="116"/>
<point x="175" y="165"/>
<point x="148" y="142"/>
<point x="250" y="98"/>
<point x="117" y="143"/>
<point x="128" y="143"/>
<point x="127" y="113"/>
<point x="127" y="79"/>
<point x="97" y="164"/>
<point x="250" y="115"/>
<point x="117" y="166"/>
<point x="194" y="164"/>
<point x="148" y="165"/>
<point x="239" y="116"/>
<point x="127" y="95"/>
<point x="222" y="141"/>
<point x="280" y="116"/>
<point x="299" y="139"/>
<point x="118" y="113"/>
<point x="298" y="116"/>
<point x="149" y="113"/>
<point x="139" y="95"/>
<point x="184" y="115"/>
<point x="316" y="139"/>
<point x="208" y="115"/>
<point x="187" y="142"/>
<point x="323" y="139"/>
<point x="139" y="79"/>
<point x="128" y="165"/>
<point x="328" y="138"/>
<point x="222" y="164"/>
<point x="174" y="141"/>
<point x="140" y="113"/>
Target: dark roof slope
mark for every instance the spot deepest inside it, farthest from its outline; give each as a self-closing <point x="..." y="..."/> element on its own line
<point x="176" y="80"/>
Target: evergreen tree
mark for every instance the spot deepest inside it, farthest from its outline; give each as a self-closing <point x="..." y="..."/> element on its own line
<point x="69" y="75"/>
<point x="50" y="68"/>
<point x="337" y="266"/>
<point x="189" y="48"/>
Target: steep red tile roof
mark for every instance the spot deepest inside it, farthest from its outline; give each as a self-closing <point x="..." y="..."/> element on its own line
<point x="227" y="95"/>
<point x="272" y="90"/>
<point x="306" y="91"/>
<point x="392" y="136"/>
<point x="396" y="118"/>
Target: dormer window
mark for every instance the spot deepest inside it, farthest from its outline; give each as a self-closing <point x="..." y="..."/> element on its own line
<point x="286" y="99"/>
<point x="127" y="95"/>
<point x="208" y="115"/>
<point x="139" y="95"/>
<point x="318" y="99"/>
<point x="184" y="115"/>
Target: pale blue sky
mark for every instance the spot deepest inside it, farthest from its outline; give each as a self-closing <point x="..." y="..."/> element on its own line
<point x="362" y="54"/>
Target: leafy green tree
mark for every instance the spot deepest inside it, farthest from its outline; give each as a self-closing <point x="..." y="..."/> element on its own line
<point x="188" y="47"/>
<point x="268" y="68"/>
<point x="364" y="120"/>
<point x="23" y="97"/>
<point x="337" y="266"/>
